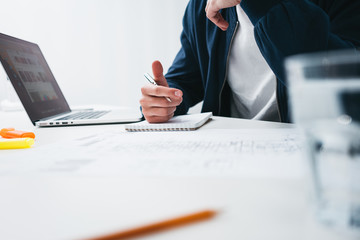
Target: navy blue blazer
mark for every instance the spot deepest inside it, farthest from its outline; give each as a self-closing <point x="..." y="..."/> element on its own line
<point x="281" y="27"/>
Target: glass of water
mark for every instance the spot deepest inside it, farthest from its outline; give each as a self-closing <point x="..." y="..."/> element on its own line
<point x="324" y="95"/>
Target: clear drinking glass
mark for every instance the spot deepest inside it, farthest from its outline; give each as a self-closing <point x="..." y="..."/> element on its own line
<point x="324" y="95"/>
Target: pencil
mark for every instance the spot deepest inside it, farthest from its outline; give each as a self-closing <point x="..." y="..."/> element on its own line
<point x="159" y="226"/>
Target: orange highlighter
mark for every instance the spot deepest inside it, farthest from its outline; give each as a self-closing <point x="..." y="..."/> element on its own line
<point x="12" y="133"/>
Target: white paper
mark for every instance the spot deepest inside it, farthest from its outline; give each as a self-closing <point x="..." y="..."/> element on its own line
<point x="221" y="152"/>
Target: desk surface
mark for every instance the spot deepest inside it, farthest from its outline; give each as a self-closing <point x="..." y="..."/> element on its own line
<point x="40" y="207"/>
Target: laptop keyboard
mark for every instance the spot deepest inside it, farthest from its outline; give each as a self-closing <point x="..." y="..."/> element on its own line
<point x="84" y="115"/>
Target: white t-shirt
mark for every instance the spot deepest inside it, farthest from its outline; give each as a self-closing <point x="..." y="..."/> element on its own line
<point x="250" y="78"/>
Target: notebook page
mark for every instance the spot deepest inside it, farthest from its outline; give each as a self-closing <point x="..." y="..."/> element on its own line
<point x="177" y="123"/>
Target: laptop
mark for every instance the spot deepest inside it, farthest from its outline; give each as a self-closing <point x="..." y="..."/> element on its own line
<point x="40" y="94"/>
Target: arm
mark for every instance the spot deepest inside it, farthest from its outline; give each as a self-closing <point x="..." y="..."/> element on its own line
<point x="287" y="27"/>
<point x="182" y="84"/>
<point x="184" y="73"/>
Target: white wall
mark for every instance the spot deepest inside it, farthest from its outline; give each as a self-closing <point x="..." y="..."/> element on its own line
<point x="98" y="50"/>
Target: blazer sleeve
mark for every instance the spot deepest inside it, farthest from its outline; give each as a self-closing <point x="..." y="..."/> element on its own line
<point x="288" y="27"/>
<point x="184" y="73"/>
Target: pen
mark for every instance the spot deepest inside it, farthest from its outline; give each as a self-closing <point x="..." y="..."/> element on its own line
<point x="155" y="227"/>
<point x="16" y="143"/>
<point x="152" y="81"/>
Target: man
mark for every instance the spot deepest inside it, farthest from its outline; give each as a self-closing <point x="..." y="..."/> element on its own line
<point x="233" y="52"/>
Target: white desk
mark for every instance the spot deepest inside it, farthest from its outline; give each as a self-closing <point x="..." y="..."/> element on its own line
<point x="46" y="208"/>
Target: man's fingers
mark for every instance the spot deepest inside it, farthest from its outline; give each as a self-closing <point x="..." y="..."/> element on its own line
<point x="217" y="19"/>
<point x="158" y="74"/>
<point x="213" y="8"/>
<point x="160" y="91"/>
<point x="157" y="69"/>
<point x="158" y="119"/>
<point x="159" y="102"/>
<point x="159" y="111"/>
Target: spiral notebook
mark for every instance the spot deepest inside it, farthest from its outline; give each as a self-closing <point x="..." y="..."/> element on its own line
<point x="179" y="123"/>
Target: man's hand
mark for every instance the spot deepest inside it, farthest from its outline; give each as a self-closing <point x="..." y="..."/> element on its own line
<point x="155" y="107"/>
<point x="212" y="11"/>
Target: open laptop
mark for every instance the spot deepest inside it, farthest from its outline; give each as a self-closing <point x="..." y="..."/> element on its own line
<point x="39" y="92"/>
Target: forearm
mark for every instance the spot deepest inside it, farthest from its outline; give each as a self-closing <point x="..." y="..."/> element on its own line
<point x="184" y="73"/>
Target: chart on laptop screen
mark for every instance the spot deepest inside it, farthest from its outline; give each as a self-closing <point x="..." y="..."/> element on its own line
<point x="32" y="74"/>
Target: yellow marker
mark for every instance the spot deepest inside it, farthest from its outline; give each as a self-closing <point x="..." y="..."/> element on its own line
<point x="16" y="143"/>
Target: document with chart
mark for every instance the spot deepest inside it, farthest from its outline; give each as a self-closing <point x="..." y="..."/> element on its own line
<point x="210" y="152"/>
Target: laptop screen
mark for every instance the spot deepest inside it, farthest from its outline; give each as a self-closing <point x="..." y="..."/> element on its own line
<point x="32" y="79"/>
